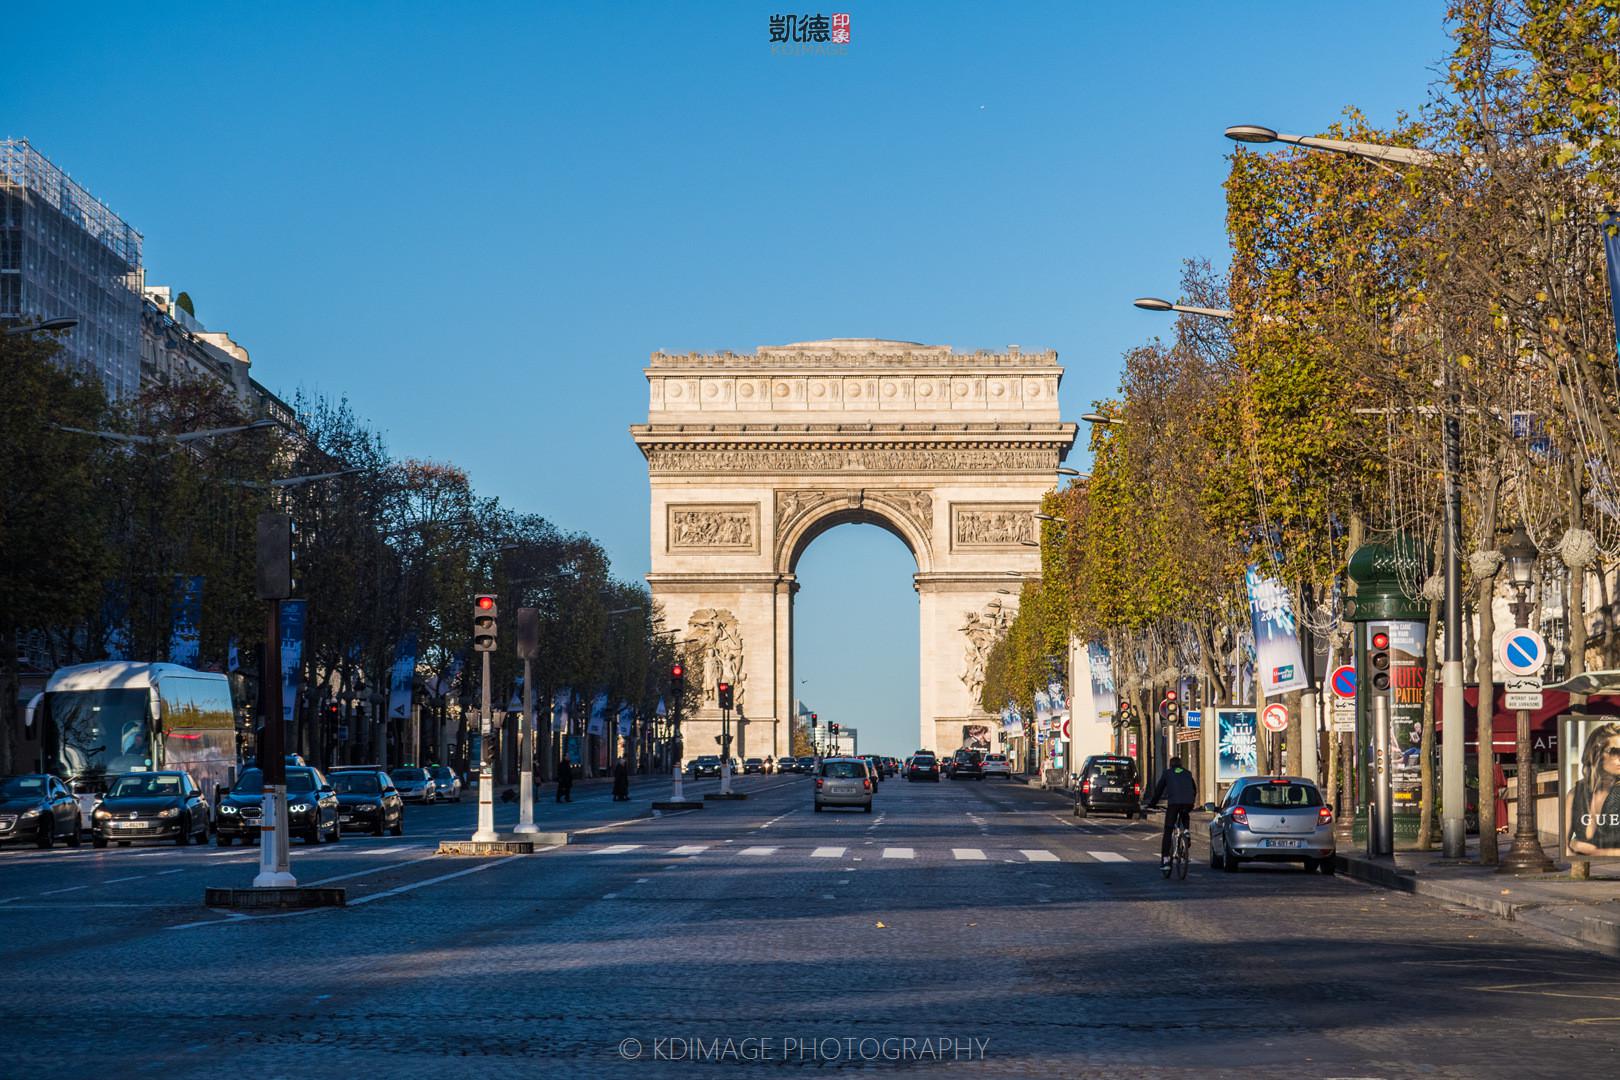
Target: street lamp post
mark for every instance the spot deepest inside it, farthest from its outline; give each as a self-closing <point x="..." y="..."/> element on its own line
<point x="1526" y="855"/>
<point x="43" y="326"/>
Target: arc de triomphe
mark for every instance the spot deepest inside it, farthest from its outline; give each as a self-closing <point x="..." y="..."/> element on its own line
<point x="752" y="457"/>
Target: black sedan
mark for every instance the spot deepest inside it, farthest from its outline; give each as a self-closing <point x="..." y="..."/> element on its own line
<point x="312" y="808"/>
<point x="706" y="765"/>
<point x="369" y="801"/>
<point x="37" y="809"/>
<point x="151" y="806"/>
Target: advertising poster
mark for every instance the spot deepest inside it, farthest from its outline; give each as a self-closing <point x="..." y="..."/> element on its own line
<point x="1589" y="786"/>
<point x="573" y="747"/>
<point x="599" y="716"/>
<point x="1104" y="701"/>
<point x="401" y="677"/>
<point x="184" y="634"/>
<point x="1237" y="749"/>
<point x="1406" y="684"/>
<point x="1276" y="640"/>
<point x="292" y="654"/>
<point x="976" y="737"/>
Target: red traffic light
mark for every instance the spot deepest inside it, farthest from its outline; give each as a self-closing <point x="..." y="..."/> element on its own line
<point x="1169" y="695"/>
<point x="677" y="671"/>
<point x="485" y="602"/>
<point x="1380" y="640"/>
<point x="722" y="687"/>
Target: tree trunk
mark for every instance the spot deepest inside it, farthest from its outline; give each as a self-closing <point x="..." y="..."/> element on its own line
<point x="1580" y="869"/>
<point x="1431" y="677"/>
<point x="1485" y="661"/>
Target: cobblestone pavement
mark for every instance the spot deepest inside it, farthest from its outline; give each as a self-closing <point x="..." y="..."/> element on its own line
<point x="977" y="920"/>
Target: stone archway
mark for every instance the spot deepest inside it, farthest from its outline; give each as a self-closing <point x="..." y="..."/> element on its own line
<point x="750" y="458"/>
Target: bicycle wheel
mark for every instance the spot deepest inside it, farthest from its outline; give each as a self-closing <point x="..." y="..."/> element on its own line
<point x="1183" y="853"/>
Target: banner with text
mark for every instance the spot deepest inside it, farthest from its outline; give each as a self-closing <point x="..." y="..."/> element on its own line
<point x="1276" y="639"/>
<point x="292" y="655"/>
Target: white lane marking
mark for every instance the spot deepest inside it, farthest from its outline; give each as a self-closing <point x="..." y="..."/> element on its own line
<point x="758" y="851"/>
<point x="148" y="854"/>
<point x="1107" y="856"/>
<point x="777" y="818"/>
<point x="371" y="870"/>
<point x="827" y="853"/>
<point x="9" y="899"/>
<point x="617" y="849"/>
<point x="689" y="849"/>
<point x="430" y="881"/>
<point x="1038" y="855"/>
<point x="166" y="873"/>
<point x="116" y="880"/>
<point x="53" y="892"/>
<point x="610" y="896"/>
<point x="899" y="853"/>
<point x="968" y="853"/>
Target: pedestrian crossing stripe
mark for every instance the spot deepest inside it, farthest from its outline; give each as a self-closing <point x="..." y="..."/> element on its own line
<point x="758" y="851"/>
<point x="899" y="853"/>
<point x="689" y="849"/>
<point x="1029" y="855"/>
<point x="828" y="853"/>
<point x="1107" y="856"/>
<point x="1038" y="856"/>
<point x="618" y="849"/>
<point x="967" y="854"/>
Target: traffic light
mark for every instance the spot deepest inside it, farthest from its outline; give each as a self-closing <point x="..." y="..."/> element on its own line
<point x="812" y="719"/>
<point x="1378" y="660"/>
<point x="722" y="692"/>
<point x="273" y="548"/>
<point x="484" y="630"/>
<point x="677" y="682"/>
<point x="835" y="728"/>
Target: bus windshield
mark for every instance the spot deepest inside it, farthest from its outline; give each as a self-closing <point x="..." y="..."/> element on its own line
<point x="101" y="732"/>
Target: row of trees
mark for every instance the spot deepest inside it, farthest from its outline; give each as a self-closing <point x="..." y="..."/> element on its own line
<point x="1310" y="423"/>
<point x="98" y="536"/>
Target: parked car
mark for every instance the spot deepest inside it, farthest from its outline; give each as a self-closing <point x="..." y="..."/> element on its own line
<point x="414" y="784"/>
<point x="844" y="781"/>
<point x="1107" y="783"/>
<point x="164" y="805"/>
<point x="447" y="785"/>
<point x="1271" y="819"/>
<point x="36" y="808"/>
<point x="967" y="765"/>
<point x="754" y="765"/>
<point x="922" y="767"/>
<point x="368" y="801"/>
<point x="706" y="765"/>
<point x="312" y="808"/>
<point x="997" y="765"/>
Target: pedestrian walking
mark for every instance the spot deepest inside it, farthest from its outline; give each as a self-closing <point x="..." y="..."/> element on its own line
<point x="621" y="781"/>
<point x="565" y="781"/>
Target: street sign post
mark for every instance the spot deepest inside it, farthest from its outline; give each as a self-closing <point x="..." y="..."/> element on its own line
<point x="1195" y="719"/>
<point x="1275" y="718"/>
<point x="1522" y="652"/>
<point x="1523" y="692"/>
<point x="1344" y="682"/>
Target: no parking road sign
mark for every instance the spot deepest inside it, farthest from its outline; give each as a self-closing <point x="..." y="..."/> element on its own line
<point x="1523" y="652"/>
<point x="1275" y="718"/>
<point x="1344" y="681"/>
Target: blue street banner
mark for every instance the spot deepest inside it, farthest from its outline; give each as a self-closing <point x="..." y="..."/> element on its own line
<point x="1280" y="663"/>
<point x="625" y="717"/>
<point x="599" y="716"/>
<point x="233" y="661"/>
<point x="184" y="635"/>
<point x="559" y="710"/>
<point x="1611" y="249"/>
<point x="401" y="678"/>
<point x="1104" y="701"/>
<point x="1237" y="747"/>
<point x="573" y="746"/>
<point x="292" y="654"/>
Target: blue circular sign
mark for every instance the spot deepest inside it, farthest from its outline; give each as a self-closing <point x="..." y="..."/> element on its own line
<point x="1524" y="652"/>
<point x="1344" y="681"/>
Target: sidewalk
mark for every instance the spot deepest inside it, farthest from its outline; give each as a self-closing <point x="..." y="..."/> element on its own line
<point x="1584" y="913"/>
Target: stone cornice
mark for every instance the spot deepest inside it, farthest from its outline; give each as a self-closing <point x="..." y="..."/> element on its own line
<point x="854" y="355"/>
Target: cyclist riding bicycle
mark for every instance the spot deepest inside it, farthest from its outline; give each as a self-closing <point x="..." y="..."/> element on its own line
<point x="1179" y="789"/>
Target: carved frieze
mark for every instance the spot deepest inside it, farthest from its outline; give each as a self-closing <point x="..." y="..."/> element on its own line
<point x="915" y="506"/>
<point x="908" y="459"/>
<point x="713" y="528"/>
<point x="992" y="526"/>
<point x="714" y="640"/>
<point x="982" y="628"/>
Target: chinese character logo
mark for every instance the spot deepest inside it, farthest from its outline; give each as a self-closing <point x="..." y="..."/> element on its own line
<point x="808" y="32"/>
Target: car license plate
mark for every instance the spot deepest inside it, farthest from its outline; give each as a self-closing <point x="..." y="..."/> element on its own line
<point x="1113" y="791"/>
<point x="1285" y="843"/>
<point x="346" y="818"/>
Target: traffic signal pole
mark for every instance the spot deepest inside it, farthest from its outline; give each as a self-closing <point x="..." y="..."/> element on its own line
<point x="484" y="636"/>
<point x="274" y="872"/>
<point x="526" y="735"/>
<point x="677" y="691"/>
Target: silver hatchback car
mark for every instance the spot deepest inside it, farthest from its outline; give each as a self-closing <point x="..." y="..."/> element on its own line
<point x="843" y="781"/>
<point x="1271" y="819"/>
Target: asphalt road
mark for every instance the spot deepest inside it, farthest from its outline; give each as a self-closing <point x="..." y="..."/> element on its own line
<point x="971" y="925"/>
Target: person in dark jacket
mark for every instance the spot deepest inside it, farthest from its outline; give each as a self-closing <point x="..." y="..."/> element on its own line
<point x="621" y="781"/>
<point x="1179" y="789"/>
<point x="565" y="781"/>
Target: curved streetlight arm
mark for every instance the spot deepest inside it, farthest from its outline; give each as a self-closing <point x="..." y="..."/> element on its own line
<point x="1400" y="155"/>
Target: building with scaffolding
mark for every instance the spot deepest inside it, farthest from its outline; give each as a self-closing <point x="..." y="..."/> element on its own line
<point x="65" y="254"/>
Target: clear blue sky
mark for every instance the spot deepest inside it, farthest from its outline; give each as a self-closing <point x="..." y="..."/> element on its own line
<point x="448" y="211"/>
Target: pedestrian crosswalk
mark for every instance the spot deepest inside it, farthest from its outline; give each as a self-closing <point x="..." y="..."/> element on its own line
<point x="911" y="854"/>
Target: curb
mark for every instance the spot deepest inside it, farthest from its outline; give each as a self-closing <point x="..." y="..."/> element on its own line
<point x="1568" y="921"/>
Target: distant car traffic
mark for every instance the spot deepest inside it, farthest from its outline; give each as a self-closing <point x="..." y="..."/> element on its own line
<point x="787" y="764"/>
<point x="706" y="765"/>
<point x="1108" y="784"/>
<point x="163" y="805"/>
<point x="997" y="765"/>
<point x="414" y="784"/>
<point x="446" y="784"/>
<point x="844" y="781"/>
<point x="754" y="765"/>
<point x="922" y="767"/>
<point x="967" y="765"/>
<point x="368" y="801"/>
<point x="312" y="808"/>
<point x="1271" y="819"/>
<point x="37" y="808"/>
